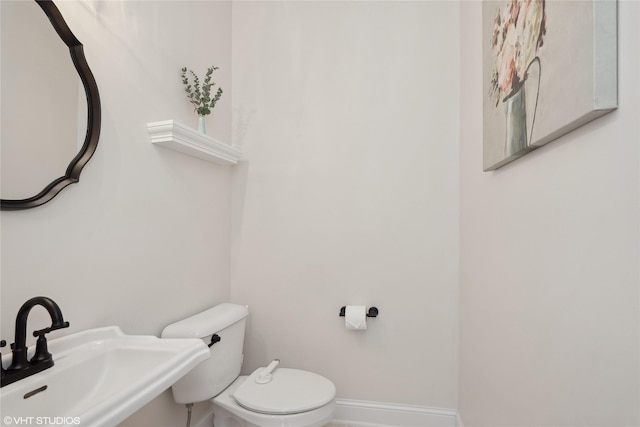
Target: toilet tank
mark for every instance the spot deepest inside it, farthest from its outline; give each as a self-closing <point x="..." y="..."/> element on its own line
<point x="213" y="375"/>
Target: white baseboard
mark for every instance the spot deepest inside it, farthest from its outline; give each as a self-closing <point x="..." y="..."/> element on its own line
<point x="361" y="413"/>
<point x="376" y="414"/>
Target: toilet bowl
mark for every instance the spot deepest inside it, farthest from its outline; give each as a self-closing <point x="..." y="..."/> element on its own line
<point x="311" y="407"/>
<point x="271" y="396"/>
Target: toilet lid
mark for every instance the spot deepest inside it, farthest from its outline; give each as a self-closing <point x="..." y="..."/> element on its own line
<point x="290" y="391"/>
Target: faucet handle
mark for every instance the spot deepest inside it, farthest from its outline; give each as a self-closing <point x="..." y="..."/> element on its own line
<point x="42" y="354"/>
<point x="54" y="327"/>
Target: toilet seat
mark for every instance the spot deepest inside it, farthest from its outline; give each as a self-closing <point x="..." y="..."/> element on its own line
<point x="290" y="391"/>
<point x="227" y="412"/>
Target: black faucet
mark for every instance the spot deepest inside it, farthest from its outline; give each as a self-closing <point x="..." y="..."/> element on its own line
<point x="21" y="368"/>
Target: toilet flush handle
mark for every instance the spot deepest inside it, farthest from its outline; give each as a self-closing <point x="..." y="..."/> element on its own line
<point x="214" y="339"/>
<point x="265" y="375"/>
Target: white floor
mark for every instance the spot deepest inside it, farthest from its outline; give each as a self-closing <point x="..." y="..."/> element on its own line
<point x="335" y="424"/>
<point x="343" y="424"/>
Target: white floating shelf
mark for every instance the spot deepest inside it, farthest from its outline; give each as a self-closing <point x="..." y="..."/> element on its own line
<point x="178" y="137"/>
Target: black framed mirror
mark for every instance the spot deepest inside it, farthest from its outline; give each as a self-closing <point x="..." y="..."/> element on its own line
<point x="87" y="142"/>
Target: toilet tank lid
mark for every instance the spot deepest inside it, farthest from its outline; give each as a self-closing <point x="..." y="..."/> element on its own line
<point x="207" y="322"/>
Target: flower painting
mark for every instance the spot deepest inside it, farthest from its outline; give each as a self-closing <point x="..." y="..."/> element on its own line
<point x="518" y="34"/>
<point x="548" y="68"/>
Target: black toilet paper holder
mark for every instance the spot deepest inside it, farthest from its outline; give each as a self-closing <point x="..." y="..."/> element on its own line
<point x="372" y="312"/>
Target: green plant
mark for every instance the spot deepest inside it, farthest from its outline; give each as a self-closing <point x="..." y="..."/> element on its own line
<point x="199" y="96"/>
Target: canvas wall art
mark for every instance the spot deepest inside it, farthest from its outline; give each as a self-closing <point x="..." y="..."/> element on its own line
<point x="549" y="67"/>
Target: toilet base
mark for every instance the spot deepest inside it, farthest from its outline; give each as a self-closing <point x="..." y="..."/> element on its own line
<point x="227" y="413"/>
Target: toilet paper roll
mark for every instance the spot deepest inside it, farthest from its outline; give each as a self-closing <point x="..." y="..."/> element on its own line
<point x="355" y="317"/>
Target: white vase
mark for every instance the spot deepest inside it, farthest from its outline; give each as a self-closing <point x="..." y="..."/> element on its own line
<point x="201" y="125"/>
<point x="519" y="127"/>
<point x="515" y="109"/>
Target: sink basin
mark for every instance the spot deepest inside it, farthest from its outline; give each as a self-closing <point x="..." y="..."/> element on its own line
<point x="100" y="377"/>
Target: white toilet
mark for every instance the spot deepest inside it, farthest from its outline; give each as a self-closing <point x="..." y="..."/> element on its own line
<point x="269" y="397"/>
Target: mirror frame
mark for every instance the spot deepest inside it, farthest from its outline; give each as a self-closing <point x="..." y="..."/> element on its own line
<point x="94" y="115"/>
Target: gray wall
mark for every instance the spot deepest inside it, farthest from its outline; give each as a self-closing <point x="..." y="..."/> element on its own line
<point x="348" y="115"/>
<point x="549" y="262"/>
<point x="143" y="239"/>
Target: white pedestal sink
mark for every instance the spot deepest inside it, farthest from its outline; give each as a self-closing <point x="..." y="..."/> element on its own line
<point x="100" y="377"/>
